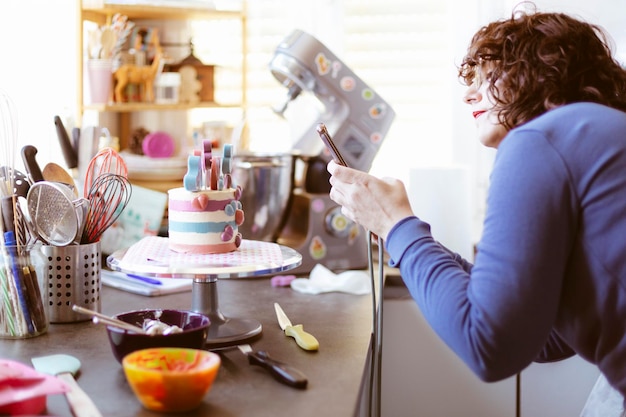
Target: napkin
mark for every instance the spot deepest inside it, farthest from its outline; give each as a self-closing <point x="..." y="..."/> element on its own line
<point x="23" y="389"/>
<point x="322" y="279"/>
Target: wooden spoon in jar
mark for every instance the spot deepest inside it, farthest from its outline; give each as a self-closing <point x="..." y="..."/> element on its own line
<point x="56" y="173"/>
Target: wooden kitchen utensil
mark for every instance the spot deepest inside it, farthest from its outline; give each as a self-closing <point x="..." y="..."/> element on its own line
<point x="55" y="172"/>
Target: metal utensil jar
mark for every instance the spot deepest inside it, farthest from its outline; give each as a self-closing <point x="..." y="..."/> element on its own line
<point x="71" y="276"/>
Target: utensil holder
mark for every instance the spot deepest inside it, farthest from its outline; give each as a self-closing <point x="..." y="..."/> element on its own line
<point x="71" y="276"/>
<point x="22" y="313"/>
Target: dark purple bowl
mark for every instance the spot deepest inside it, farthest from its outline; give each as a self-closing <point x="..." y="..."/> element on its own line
<point x="195" y="331"/>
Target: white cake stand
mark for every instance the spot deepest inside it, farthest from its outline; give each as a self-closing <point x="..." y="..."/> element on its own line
<point x="223" y="331"/>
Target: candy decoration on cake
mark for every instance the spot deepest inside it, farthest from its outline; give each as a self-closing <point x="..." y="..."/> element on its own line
<point x="205" y="214"/>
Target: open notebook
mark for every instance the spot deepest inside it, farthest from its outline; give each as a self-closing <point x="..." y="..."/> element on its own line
<point x="148" y="286"/>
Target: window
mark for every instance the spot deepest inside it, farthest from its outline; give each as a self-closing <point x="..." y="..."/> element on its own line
<point x="401" y="48"/>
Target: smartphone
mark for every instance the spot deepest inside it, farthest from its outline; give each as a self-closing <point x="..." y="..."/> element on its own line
<point x="330" y="145"/>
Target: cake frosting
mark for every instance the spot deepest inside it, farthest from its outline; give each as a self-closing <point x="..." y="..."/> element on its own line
<point x="204" y="221"/>
<point x="204" y="216"/>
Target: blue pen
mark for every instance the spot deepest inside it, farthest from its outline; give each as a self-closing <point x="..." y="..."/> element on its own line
<point x="147" y="280"/>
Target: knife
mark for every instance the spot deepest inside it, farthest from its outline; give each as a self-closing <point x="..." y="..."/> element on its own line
<point x="30" y="162"/>
<point x="69" y="153"/>
<point x="280" y="371"/>
<point x="305" y="340"/>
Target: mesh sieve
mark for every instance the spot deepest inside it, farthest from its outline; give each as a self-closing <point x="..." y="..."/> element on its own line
<point x="53" y="212"/>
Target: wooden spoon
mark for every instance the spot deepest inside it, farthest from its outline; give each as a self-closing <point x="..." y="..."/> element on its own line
<point x="55" y="172"/>
<point x="107" y="41"/>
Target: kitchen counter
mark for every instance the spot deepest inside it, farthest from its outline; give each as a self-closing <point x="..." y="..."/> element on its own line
<point x="341" y="322"/>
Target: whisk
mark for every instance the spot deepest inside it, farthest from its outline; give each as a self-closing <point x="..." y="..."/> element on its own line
<point x="108" y="196"/>
<point x="107" y="160"/>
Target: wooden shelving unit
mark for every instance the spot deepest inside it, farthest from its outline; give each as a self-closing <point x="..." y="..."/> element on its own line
<point x="102" y="14"/>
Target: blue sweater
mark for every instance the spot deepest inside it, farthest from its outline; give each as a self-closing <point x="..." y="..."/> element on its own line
<point x="549" y="277"/>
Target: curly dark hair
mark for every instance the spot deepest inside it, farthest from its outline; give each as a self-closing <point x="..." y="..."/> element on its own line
<point x="544" y="60"/>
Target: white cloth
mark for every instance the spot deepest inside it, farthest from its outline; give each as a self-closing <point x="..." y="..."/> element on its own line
<point x="603" y="401"/>
<point x="322" y="279"/>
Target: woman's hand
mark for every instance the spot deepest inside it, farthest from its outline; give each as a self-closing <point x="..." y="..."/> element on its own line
<point x="376" y="204"/>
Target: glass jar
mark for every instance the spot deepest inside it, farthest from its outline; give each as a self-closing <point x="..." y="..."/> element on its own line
<point x="22" y="313"/>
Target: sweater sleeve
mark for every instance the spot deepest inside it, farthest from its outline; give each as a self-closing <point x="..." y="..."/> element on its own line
<point x="554" y="350"/>
<point x="498" y="315"/>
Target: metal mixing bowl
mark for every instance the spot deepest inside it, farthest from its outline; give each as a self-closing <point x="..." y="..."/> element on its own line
<point x="267" y="184"/>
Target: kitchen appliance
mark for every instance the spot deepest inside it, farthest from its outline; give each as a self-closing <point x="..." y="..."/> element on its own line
<point x="358" y="119"/>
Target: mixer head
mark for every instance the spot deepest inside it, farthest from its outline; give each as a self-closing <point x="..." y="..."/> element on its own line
<point x="356" y="116"/>
<point x="292" y="75"/>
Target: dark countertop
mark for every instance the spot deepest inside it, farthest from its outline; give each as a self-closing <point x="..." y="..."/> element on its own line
<point x="341" y="322"/>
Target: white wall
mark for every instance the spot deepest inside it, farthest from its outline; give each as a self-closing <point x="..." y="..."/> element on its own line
<point x="38" y="54"/>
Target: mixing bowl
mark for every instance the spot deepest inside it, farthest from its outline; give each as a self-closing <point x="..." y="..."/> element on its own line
<point x="172" y="380"/>
<point x="267" y="183"/>
<point x="195" y="329"/>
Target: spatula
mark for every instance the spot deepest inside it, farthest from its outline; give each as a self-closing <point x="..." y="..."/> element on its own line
<point x="65" y="367"/>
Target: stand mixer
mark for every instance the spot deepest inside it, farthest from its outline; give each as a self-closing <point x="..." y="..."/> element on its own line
<point x="358" y="120"/>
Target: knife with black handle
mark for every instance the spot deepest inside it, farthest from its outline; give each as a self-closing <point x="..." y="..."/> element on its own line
<point x="30" y="162"/>
<point x="282" y="372"/>
<point x="69" y="153"/>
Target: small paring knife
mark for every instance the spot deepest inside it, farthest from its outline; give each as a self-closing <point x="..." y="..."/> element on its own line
<point x="305" y="340"/>
<point x="282" y="372"/>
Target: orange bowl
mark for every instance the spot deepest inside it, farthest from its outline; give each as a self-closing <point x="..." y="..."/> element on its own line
<point x="171" y="379"/>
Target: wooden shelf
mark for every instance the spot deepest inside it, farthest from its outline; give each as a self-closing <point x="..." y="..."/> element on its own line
<point x="133" y="107"/>
<point x="120" y="115"/>
<point x="104" y="14"/>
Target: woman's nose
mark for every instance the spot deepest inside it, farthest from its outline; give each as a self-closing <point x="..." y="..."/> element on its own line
<point x="472" y="95"/>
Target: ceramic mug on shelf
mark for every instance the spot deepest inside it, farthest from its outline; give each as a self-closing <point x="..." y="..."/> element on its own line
<point x="100" y="73"/>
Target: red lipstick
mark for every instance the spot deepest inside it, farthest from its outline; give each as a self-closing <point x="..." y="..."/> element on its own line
<point x="477" y="113"/>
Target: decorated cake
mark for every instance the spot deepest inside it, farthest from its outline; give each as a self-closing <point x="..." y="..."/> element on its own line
<point x="204" y="216"/>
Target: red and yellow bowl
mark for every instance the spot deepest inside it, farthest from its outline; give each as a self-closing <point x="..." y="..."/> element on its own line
<point x="171" y="379"/>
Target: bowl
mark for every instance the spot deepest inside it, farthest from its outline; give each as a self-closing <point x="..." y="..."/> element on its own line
<point x="172" y="380"/>
<point x="267" y="183"/>
<point x="195" y="329"/>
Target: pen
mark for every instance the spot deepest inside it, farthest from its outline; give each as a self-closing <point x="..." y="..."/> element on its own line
<point x="131" y="277"/>
<point x="147" y="280"/>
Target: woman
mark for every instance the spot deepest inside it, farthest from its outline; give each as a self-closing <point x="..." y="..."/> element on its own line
<point x="549" y="277"/>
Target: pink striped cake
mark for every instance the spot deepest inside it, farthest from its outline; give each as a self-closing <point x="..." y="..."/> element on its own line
<point x="204" y="221"/>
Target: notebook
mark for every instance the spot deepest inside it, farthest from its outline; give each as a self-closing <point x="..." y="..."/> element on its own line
<point x="143" y="285"/>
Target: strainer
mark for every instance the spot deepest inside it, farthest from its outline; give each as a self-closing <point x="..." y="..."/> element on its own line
<point x="56" y="215"/>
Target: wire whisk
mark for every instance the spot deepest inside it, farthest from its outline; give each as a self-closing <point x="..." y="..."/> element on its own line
<point x="107" y="160"/>
<point x="108" y="196"/>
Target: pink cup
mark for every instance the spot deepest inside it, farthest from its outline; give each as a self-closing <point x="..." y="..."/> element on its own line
<point x="100" y="80"/>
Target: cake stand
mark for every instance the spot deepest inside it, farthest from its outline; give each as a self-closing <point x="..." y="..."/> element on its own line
<point x="223" y="331"/>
